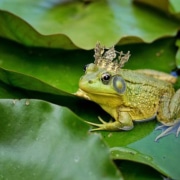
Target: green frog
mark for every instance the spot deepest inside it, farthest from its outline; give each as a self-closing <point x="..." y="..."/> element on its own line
<point x="130" y="95"/>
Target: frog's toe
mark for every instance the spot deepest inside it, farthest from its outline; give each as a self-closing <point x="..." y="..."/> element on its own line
<point x="102" y="126"/>
<point x="101" y="120"/>
<point x="110" y="126"/>
<point x="166" y="130"/>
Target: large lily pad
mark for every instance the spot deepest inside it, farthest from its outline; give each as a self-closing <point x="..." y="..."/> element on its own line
<point x="39" y="140"/>
<point x="76" y="24"/>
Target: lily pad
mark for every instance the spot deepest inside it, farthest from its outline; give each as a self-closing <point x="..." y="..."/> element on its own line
<point x="40" y="140"/>
<point x="171" y="7"/>
<point x="137" y="171"/>
<point x="147" y="151"/>
<point x="77" y="24"/>
<point x="15" y="28"/>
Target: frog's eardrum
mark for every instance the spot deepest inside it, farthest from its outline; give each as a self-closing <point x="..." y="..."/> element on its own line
<point x="119" y="84"/>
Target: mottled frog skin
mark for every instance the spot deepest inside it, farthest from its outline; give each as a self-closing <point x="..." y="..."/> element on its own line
<point x="132" y="95"/>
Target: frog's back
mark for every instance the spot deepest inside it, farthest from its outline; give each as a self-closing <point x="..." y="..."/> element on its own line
<point x="143" y="93"/>
<point x="134" y="77"/>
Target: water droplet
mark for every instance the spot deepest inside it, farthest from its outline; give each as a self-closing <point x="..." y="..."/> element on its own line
<point x="148" y="158"/>
<point x="109" y="135"/>
<point x="76" y="159"/>
<point x="160" y="52"/>
<point x="117" y="155"/>
<point x="27" y="102"/>
<point x="14" y="101"/>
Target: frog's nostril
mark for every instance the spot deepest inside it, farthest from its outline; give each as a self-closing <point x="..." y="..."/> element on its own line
<point x="90" y="81"/>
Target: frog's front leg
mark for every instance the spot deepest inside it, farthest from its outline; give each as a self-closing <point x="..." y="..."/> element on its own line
<point x="169" y="114"/>
<point x="123" y="122"/>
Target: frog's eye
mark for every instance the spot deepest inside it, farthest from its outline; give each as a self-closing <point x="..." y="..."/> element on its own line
<point x="85" y="67"/>
<point x="105" y="78"/>
<point x="119" y="84"/>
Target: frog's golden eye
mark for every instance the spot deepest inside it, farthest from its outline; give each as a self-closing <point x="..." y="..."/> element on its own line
<point x="119" y="84"/>
<point x="105" y="78"/>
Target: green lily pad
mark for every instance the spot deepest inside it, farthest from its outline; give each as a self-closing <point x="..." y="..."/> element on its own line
<point x="147" y="151"/>
<point x="27" y="35"/>
<point x="80" y="25"/>
<point x="40" y="140"/>
<point x="137" y="171"/>
<point x="171" y="7"/>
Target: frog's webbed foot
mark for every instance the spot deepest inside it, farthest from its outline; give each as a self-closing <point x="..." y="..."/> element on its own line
<point x="166" y="130"/>
<point x="111" y="126"/>
<point x="102" y="126"/>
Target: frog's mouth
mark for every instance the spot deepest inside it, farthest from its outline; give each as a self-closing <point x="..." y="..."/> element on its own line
<point x="98" y="93"/>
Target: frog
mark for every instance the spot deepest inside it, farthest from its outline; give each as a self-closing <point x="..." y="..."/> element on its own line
<point x="129" y="95"/>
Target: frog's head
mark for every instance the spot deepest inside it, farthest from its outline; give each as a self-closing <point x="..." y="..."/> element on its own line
<point x="99" y="81"/>
<point x="102" y="77"/>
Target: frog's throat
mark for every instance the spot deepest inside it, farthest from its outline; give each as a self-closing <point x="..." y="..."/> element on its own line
<point x="105" y="58"/>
